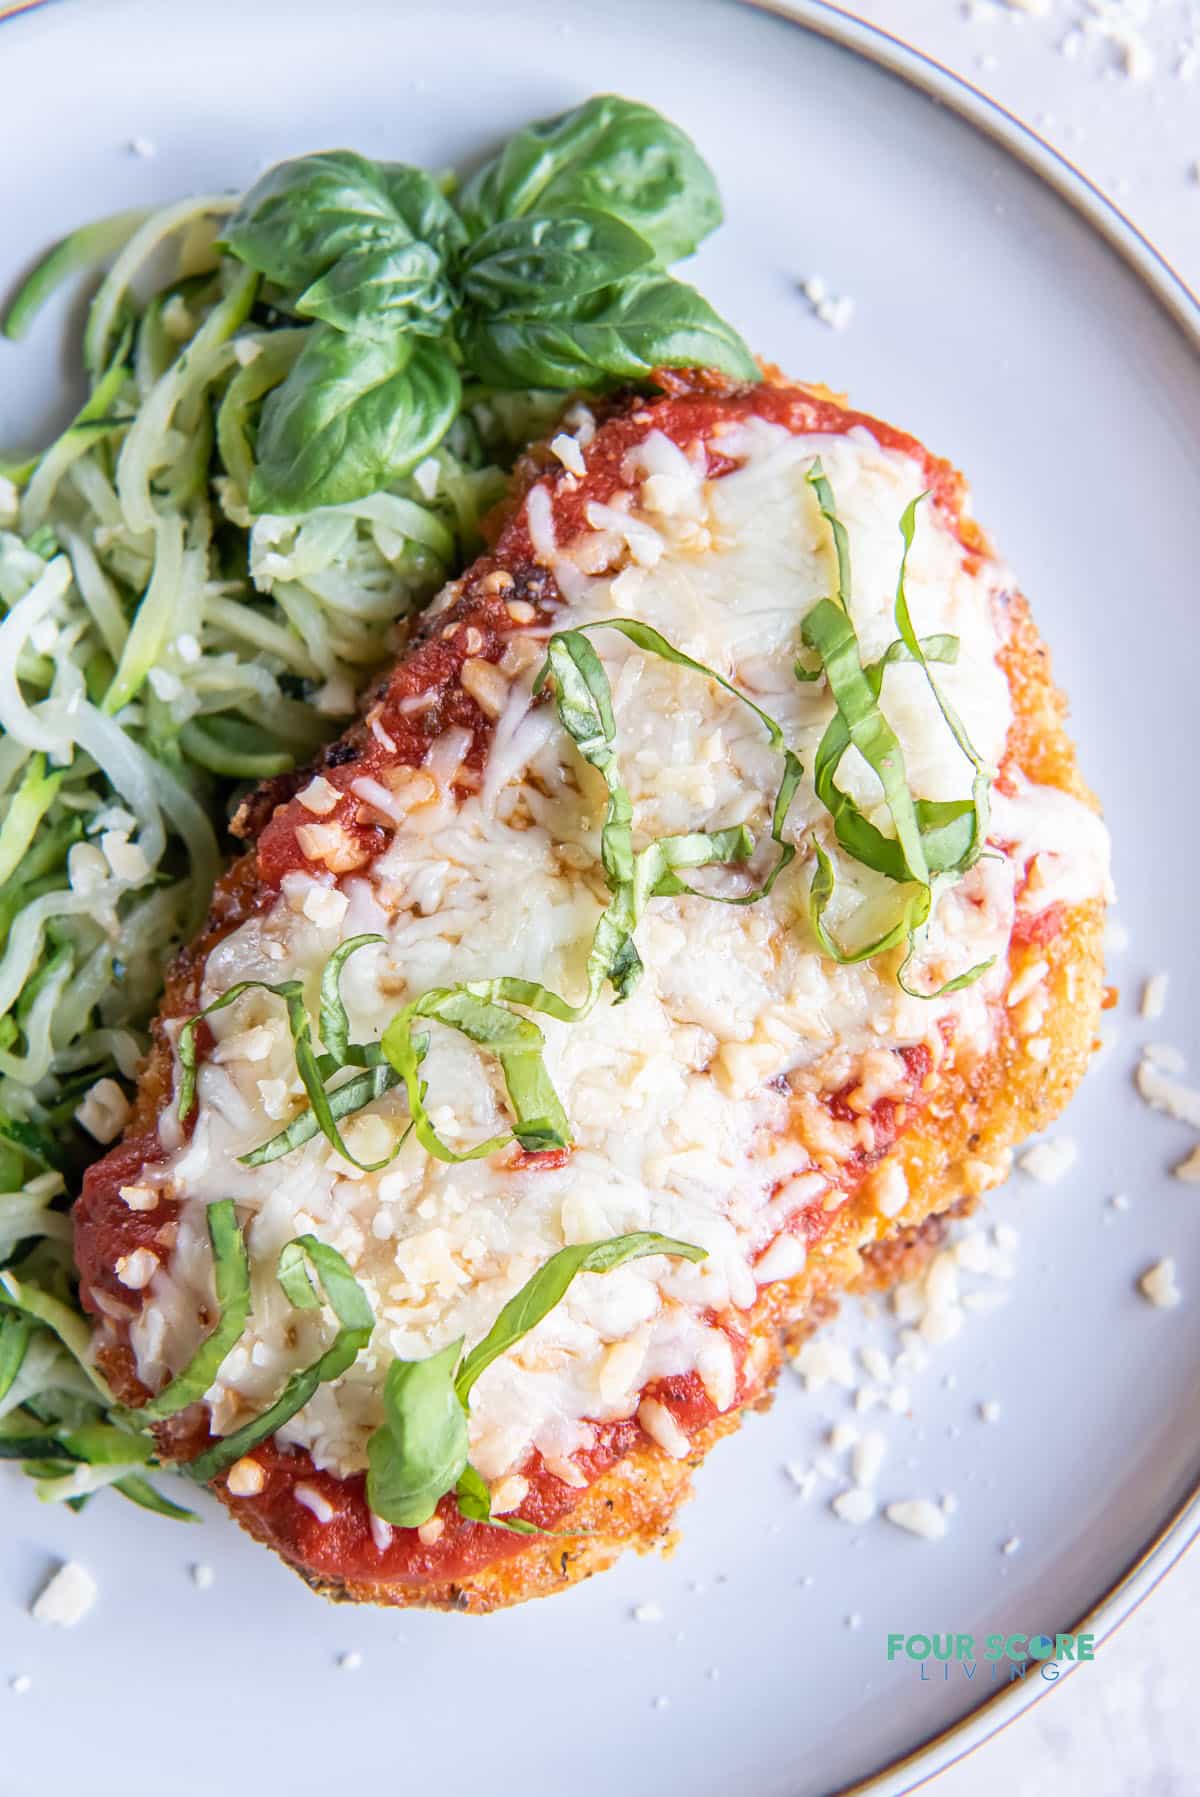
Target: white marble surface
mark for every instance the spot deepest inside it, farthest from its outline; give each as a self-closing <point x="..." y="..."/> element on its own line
<point x="1124" y="107"/>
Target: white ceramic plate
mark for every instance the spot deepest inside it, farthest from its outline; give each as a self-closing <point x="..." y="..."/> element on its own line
<point x="1030" y="337"/>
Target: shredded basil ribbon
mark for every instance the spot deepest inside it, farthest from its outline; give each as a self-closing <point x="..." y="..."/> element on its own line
<point x="231" y="1277"/>
<point x="421" y="1451"/>
<point x="300" y="1258"/>
<point x="479" y="1009"/>
<point x="931" y="837"/>
<point x="325" y="1107"/>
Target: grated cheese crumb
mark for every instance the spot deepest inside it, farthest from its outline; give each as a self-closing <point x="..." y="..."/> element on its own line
<point x="315" y="1501"/>
<point x="804" y="1478"/>
<point x="647" y="1612"/>
<point x="842" y="1437"/>
<point x="854" y="1505"/>
<point x="1154" y="996"/>
<point x="989" y="1411"/>
<point x="325" y="906"/>
<point x="835" y="310"/>
<point x="569" y="453"/>
<point x="320" y="796"/>
<point x="825" y="1363"/>
<point x="136" y="1270"/>
<point x="919" y="1516"/>
<point x="20" y="1684"/>
<point x="1012" y="1545"/>
<point x="104" y="1111"/>
<point x="202" y="1576"/>
<point x="868" y="1457"/>
<point x="660" y="1425"/>
<point x="67" y="1597"/>
<point x="351" y="1661"/>
<point x="245" y="1478"/>
<point x="1164" y="1094"/>
<point x="1049" y="1161"/>
<point x="1157" y="1284"/>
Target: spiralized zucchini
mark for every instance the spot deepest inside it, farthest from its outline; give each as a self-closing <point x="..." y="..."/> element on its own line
<point x="161" y="646"/>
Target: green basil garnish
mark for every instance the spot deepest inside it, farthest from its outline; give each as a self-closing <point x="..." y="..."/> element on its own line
<point x="304" y="216"/>
<point x="552" y="274"/>
<point x="540" y="1121"/>
<point x="547" y="265"/>
<point x="612" y="155"/>
<point x="622" y="333"/>
<point x="353" y="415"/>
<point x="931" y="837"/>
<point x="421" y="1450"/>
<point x="346" y="1299"/>
<point x="231" y="1276"/>
<point x="313" y="1069"/>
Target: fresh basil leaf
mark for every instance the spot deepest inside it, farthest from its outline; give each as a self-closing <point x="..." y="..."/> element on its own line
<point x="615" y="155"/>
<point x="539" y="266"/>
<point x="378" y="292"/>
<point x="231" y="1277"/>
<point x="356" y="1320"/>
<point x="475" y="1503"/>
<point x="420" y="1452"/>
<point x="539" y="1295"/>
<point x="621" y="333"/>
<point x="304" y="215"/>
<point x="540" y="1121"/>
<point x="352" y="416"/>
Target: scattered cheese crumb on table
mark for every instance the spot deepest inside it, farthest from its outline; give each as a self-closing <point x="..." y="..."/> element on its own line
<point x="1050" y="1160"/>
<point x="67" y="1597"/>
<point x="918" y="1516"/>
<point x="1158" y="1285"/>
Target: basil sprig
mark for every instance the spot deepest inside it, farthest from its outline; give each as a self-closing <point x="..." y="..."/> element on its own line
<point x="931" y="837"/>
<point x="550" y="273"/>
<point x="611" y="155"/>
<point x="302" y="1260"/>
<point x="421" y="1450"/>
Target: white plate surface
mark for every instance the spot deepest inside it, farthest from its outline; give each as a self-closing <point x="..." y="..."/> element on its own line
<point x="995" y="321"/>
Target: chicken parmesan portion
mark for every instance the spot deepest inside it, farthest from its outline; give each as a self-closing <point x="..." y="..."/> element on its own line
<point x="706" y="900"/>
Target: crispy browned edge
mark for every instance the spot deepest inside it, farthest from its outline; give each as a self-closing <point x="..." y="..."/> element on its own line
<point x="955" y="1151"/>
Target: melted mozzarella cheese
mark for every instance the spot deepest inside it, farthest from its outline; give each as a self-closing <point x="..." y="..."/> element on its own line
<point x="696" y="1104"/>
